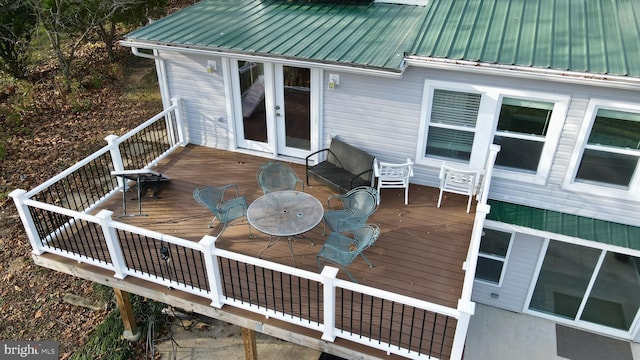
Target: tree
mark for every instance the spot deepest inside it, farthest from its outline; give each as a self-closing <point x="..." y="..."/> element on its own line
<point x="136" y="14"/>
<point x="68" y="23"/>
<point x="17" y="23"/>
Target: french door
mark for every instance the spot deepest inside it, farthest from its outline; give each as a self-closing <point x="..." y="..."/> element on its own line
<point x="591" y="287"/>
<point x="273" y="108"/>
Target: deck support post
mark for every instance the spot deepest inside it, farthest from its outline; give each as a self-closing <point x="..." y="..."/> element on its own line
<point x="131" y="332"/>
<point x="329" y="274"/>
<point x="250" y="346"/>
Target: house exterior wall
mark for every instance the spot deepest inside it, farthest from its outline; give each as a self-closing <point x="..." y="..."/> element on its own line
<point x="518" y="274"/>
<point x="383" y="115"/>
<point x="203" y="94"/>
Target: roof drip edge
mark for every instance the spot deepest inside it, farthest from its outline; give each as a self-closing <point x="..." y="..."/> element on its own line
<point x="345" y="67"/>
<point x="583" y="78"/>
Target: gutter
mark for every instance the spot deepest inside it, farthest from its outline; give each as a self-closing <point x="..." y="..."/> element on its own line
<point x="564" y="76"/>
<point x="137" y="52"/>
<point x="134" y="45"/>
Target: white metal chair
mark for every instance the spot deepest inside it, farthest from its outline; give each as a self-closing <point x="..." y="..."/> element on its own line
<point x="393" y="176"/>
<point x="458" y="181"/>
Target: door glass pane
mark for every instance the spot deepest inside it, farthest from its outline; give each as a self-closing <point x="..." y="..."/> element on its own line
<point x="252" y="93"/>
<point x="564" y="277"/>
<point x="615" y="297"/>
<point x="297" y="104"/>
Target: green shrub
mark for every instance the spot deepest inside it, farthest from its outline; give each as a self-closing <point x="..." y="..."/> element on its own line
<point x="107" y="342"/>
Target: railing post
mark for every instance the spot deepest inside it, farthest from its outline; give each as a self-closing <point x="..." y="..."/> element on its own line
<point x="19" y="196"/>
<point x="329" y="274"/>
<point x="494" y="149"/>
<point x="182" y="139"/>
<point x="466" y="309"/>
<point x="116" y="157"/>
<point x="213" y="270"/>
<point x="113" y="244"/>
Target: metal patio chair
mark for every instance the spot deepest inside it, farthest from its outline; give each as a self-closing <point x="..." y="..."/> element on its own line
<point x="343" y="248"/>
<point x="458" y="181"/>
<point x="357" y="205"/>
<point x="278" y="176"/>
<point x="225" y="211"/>
<point x="393" y="176"/>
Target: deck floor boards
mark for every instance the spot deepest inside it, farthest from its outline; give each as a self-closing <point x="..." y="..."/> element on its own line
<point x="419" y="253"/>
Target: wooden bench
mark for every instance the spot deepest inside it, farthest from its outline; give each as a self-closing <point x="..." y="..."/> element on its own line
<point x="345" y="167"/>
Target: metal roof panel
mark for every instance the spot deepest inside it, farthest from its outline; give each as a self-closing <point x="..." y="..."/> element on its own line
<point x="590" y="36"/>
<point x="602" y="231"/>
<point x="348" y="33"/>
<point x="594" y="36"/>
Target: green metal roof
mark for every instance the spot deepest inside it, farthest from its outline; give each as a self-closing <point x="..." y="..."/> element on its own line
<point x="364" y="35"/>
<point x="566" y="224"/>
<point x="589" y="36"/>
<point x="594" y="36"/>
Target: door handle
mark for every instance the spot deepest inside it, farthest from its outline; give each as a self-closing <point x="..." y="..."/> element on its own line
<point x="277" y="107"/>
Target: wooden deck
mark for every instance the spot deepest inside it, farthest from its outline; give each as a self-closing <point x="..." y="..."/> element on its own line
<point x="420" y="251"/>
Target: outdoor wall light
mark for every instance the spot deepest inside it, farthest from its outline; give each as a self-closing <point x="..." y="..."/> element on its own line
<point x="334" y="80"/>
<point x="211" y="66"/>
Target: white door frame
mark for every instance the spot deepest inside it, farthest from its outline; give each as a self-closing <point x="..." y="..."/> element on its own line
<point x="273" y="98"/>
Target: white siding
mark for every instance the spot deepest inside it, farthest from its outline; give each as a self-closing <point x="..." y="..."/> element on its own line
<point x="520" y="269"/>
<point x="203" y="94"/>
<point x="382" y="116"/>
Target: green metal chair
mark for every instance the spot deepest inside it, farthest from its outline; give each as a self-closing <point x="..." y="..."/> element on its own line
<point x="342" y="250"/>
<point x="225" y="211"/>
<point x="278" y="176"/>
<point x="357" y="205"/>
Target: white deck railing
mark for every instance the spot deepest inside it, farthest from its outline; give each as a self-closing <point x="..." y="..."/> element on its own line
<point x="316" y="301"/>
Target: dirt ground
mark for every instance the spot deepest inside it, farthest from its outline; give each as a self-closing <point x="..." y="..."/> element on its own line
<point x="193" y="338"/>
<point x="45" y="130"/>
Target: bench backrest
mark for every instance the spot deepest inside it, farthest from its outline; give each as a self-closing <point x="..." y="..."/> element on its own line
<point x="350" y="158"/>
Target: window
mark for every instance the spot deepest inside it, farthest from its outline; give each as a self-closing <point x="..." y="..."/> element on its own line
<point x="452" y="126"/>
<point x="606" y="161"/>
<point x="460" y="121"/>
<point x="492" y="256"/>
<point x="583" y="284"/>
<point x="521" y="133"/>
<point x="612" y="150"/>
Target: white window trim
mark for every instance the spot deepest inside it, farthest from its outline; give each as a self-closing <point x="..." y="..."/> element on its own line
<point x="630" y="334"/>
<point x="488" y="114"/>
<point x="485" y="114"/>
<point x="551" y="140"/>
<point x="632" y="193"/>
<point x="505" y="260"/>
